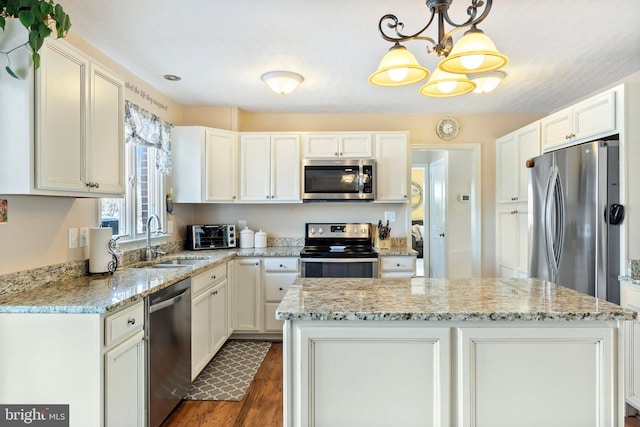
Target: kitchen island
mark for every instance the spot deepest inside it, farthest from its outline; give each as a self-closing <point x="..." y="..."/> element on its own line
<point x="450" y="352"/>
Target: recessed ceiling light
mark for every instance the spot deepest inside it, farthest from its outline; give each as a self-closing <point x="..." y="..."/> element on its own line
<point x="172" y="77"/>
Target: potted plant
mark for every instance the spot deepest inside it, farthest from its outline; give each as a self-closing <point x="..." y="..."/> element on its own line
<point x="39" y="17"/>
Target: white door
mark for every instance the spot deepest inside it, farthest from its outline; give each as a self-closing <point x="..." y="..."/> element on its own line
<point x="437" y="218"/>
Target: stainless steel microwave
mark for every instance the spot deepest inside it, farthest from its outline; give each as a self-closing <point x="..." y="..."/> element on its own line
<point x="338" y="180"/>
<point x="200" y="237"/>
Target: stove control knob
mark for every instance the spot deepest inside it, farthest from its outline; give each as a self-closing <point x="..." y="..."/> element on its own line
<point x="320" y="230"/>
<point x="312" y="231"/>
<point x="363" y="231"/>
<point x="355" y="230"/>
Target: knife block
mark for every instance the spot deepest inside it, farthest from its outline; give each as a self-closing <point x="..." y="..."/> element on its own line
<point x="381" y="243"/>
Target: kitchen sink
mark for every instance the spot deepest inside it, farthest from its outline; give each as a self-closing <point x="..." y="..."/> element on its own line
<point x="180" y="261"/>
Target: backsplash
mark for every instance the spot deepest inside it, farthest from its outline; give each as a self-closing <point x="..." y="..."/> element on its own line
<point x="633" y="268"/>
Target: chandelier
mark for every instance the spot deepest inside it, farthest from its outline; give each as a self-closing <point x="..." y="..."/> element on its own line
<point x="474" y="53"/>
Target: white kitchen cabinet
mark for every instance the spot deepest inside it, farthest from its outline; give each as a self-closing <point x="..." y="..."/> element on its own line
<point x="630" y="298"/>
<point x="587" y="120"/>
<point x="125" y="368"/>
<point x="248" y="295"/>
<point x="397" y="266"/>
<point x="205" y="165"/>
<point x="392" y="167"/>
<point x="65" y="134"/>
<point x="279" y="274"/>
<point x="209" y="304"/>
<point x="512" y="152"/>
<point x="566" y="372"/>
<point x="337" y="145"/>
<point x="512" y="240"/>
<point x="269" y="167"/>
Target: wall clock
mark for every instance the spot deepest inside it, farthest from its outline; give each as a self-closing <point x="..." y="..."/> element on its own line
<point x="447" y="128"/>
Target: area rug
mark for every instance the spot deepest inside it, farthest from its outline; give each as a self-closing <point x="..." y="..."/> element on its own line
<point x="229" y="374"/>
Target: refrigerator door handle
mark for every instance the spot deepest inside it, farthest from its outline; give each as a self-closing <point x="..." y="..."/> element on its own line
<point x="554" y="222"/>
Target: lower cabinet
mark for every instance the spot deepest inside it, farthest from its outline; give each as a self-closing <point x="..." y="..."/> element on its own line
<point x="260" y="284"/>
<point x="630" y="298"/>
<point x="397" y="266"/>
<point x="451" y="374"/>
<point x="125" y="383"/>
<point x="125" y="368"/>
<point x="512" y="240"/>
<point x="209" y="307"/>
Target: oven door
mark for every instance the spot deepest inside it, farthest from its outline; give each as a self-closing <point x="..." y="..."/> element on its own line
<point x="339" y="267"/>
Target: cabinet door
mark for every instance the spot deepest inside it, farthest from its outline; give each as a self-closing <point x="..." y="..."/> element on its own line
<point x="595" y="116"/>
<point x="506" y="173"/>
<point x="105" y="145"/>
<point x="248" y="300"/>
<point x="320" y="146"/>
<point x="61" y="88"/>
<point x="507" y="242"/>
<point x="392" y="167"/>
<point x="255" y="170"/>
<point x="219" y="313"/>
<point x="556" y="129"/>
<point x="125" y="383"/>
<point x="201" y="335"/>
<point x="528" y="147"/>
<point x="285" y="168"/>
<point x="523" y="240"/>
<point x="356" y="146"/>
<point x="221" y="166"/>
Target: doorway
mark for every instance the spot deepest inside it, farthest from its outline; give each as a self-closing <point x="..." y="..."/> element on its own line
<point x="446" y="182"/>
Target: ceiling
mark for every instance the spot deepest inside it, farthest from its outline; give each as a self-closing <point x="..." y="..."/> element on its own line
<point x="559" y="51"/>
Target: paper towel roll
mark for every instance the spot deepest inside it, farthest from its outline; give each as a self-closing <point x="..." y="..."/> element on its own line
<point x="99" y="255"/>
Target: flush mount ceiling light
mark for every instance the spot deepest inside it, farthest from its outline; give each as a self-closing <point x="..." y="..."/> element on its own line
<point x="282" y="82"/>
<point x="486" y="82"/>
<point x="475" y="52"/>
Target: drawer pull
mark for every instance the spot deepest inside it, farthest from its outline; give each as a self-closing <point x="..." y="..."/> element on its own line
<point x="281" y="266"/>
<point x="398" y="265"/>
<point x="132" y="321"/>
<point x="213" y="277"/>
<point x="280" y="289"/>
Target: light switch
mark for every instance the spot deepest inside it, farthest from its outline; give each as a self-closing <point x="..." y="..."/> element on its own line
<point x="84" y="237"/>
<point x="170" y="227"/>
<point x="73" y="238"/>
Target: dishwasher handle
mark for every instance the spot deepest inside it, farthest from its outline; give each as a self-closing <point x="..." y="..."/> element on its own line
<point x="168" y="303"/>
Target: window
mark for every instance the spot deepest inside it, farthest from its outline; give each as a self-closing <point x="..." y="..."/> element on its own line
<point x="146" y="161"/>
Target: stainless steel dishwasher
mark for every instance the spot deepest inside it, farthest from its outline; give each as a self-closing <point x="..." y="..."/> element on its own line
<point x="168" y="349"/>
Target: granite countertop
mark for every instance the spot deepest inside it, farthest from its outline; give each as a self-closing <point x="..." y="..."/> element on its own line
<point x="442" y="300"/>
<point x="107" y="292"/>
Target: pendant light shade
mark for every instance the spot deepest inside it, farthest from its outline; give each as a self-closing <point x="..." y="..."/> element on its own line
<point x="443" y="84"/>
<point x="486" y="82"/>
<point x="475" y="52"/>
<point x="282" y="82"/>
<point x="398" y="68"/>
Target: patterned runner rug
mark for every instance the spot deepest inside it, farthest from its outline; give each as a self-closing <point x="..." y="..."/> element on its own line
<point x="229" y="374"/>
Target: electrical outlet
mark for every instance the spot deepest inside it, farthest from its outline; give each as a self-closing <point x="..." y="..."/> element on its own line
<point x="84" y="237"/>
<point x="390" y="216"/>
<point x="170" y="227"/>
<point x="242" y="223"/>
<point x="73" y="238"/>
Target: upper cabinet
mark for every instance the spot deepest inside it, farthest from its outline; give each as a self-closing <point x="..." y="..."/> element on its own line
<point x="269" y="167"/>
<point x="392" y="167"/>
<point x="587" y="120"/>
<point x="512" y="152"/>
<point x="63" y="128"/>
<point x="337" y="145"/>
<point x="205" y="165"/>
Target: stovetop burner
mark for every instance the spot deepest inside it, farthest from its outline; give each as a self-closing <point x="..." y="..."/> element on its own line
<point x="338" y="240"/>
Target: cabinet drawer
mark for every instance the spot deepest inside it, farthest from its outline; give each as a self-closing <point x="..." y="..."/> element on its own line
<point x="277" y="284"/>
<point x="203" y="280"/>
<point x="397" y="263"/>
<point x="123" y="324"/>
<point x="281" y="264"/>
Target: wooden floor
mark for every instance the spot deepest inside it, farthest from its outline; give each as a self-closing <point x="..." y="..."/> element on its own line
<point x="260" y="407"/>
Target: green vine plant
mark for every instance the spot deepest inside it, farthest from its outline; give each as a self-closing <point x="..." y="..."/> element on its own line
<point x="38" y="17"/>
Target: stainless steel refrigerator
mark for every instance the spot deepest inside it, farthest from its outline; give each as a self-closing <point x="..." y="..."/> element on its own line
<point x="575" y="218"/>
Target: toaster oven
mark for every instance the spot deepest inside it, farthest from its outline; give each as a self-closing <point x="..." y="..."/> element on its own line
<point x="212" y="236"/>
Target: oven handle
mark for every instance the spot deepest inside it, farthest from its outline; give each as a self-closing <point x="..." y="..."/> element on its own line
<point x="338" y="260"/>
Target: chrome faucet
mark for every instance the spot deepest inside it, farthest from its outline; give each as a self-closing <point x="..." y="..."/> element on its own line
<point x="150" y="254"/>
